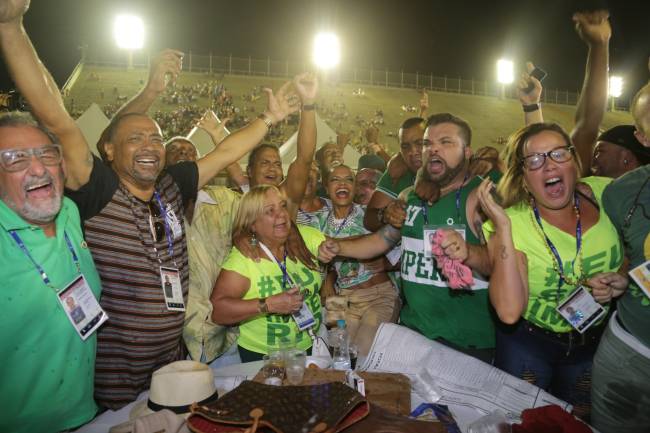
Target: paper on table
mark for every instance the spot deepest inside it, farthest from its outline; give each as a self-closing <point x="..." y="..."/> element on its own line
<point x="459" y="379"/>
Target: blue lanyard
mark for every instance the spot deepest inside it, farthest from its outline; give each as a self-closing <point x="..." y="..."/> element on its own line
<point x="168" y="233"/>
<point x="340" y="227"/>
<point x="552" y="247"/>
<point x="38" y="267"/>
<point x="425" y="207"/>
<point x="281" y="264"/>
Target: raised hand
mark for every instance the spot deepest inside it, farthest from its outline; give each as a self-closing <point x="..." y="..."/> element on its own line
<point x="164" y="69"/>
<point x="424" y="101"/>
<point x="342" y="139"/>
<point x="534" y="96"/>
<point x="372" y="134"/>
<point x="286" y="302"/>
<point x="282" y="103"/>
<point x="13" y="10"/>
<point x="211" y="124"/>
<point x="327" y="250"/>
<point x="493" y="211"/>
<point x="306" y="84"/>
<point x="593" y="27"/>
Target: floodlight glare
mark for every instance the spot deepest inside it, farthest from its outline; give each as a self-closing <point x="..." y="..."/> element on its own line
<point x="129" y="32"/>
<point x="505" y="73"/>
<point x="615" y="86"/>
<point x="327" y="50"/>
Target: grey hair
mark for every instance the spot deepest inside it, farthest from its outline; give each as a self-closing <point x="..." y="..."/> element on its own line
<point x="13" y="119"/>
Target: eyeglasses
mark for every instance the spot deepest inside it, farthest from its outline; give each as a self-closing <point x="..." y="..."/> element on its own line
<point x="155" y="225"/>
<point x="535" y="161"/>
<point x="635" y="205"/>
<point x="19" y="159"/>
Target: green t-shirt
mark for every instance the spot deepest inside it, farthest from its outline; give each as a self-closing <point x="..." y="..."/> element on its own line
<point x="263" y="332"/>
<point x="47" y="371"/>
<point x="618" y="201"/>
<point x="601" y="252"/>
<point x="349" y="272"/>
<point x="392" y="189"/>
<point x="432" y="308"/>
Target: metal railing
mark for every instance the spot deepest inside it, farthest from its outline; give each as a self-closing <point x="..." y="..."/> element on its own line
<point x="363" y="76"/>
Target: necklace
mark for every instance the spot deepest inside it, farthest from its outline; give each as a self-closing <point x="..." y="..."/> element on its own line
<point x="552" y="250"/>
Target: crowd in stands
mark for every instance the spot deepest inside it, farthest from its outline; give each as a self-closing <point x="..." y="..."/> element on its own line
<point x="114" y="267"/>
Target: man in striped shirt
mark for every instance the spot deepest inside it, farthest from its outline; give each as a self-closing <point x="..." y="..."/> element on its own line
<point x="132" y="210"/>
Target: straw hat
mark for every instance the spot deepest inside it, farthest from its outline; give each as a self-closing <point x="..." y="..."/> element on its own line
<point x="176" y="386"/>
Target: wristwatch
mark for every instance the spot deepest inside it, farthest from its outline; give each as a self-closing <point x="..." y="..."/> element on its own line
<point x="262" y="306"/>
<point x="266" y="119"/>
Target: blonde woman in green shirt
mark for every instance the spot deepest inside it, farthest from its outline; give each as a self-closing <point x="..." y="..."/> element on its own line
<point x="549" y="237"/>
<point x="273" y="271"/>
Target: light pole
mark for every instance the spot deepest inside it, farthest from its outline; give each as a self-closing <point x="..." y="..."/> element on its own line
<point x="615" y="89"/>
<point x="129" y="35"/>
<point x="505" y="75"/>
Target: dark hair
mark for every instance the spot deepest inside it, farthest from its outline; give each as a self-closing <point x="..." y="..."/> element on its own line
<point x="411" y="122"/>
<point x="320" y="155"/>
<point x="14" y="119"/>
<point x="465" y="130"/>
<point x="252" y="157"/>
<point x="108" y="135"/>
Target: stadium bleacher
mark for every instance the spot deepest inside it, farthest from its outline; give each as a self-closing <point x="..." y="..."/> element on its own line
<point x="492" y="119"/>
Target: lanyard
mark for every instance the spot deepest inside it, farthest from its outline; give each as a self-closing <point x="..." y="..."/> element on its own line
<point x="340" y="227"/>
<point x="282" y="265"/>
<point x="168" y="232"/>
<point x="425" y="207"/>
<point x="553" y="249"/>
<point x="38" y="267"/>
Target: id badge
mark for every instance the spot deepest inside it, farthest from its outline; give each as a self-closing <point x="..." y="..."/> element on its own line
<point x="580" y="309"/>
<point x="641" y="276"/>
<point x="172" y="290"/>
<point x="173" y="222"/>
<point x="303" y="318"/>
<point x="81" y="307"/>
<point x="429" y="232"/>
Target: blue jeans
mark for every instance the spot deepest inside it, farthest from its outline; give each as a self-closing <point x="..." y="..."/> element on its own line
<point x="563" y="370"/>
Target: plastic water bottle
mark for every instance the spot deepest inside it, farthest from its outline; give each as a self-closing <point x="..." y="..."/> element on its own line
<point x="341" y="355"/>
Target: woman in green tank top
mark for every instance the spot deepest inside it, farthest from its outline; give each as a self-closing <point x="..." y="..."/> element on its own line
<point x="551" y="239"/>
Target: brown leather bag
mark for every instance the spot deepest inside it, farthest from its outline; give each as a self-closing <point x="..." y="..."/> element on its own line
<point x="255" y="407"/>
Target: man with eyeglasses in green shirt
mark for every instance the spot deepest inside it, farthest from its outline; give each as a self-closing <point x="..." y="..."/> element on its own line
<point x="47" y="367"/>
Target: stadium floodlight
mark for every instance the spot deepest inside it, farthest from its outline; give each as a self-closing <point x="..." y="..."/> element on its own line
<point x="615" y="86"/>
<point x="505" y="71"/>
<point x="129" y="32"/>
<point x="327" y="50"/>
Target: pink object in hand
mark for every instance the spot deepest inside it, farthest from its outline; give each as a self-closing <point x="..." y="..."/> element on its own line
<point x="458" y="274"/>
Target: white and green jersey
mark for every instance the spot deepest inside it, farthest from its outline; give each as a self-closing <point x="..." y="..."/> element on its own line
<point x="350" y="272"/>
<point x="463" y="317"/>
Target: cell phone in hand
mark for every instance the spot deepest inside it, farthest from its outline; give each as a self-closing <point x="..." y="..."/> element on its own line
<point x="538" y="73"/>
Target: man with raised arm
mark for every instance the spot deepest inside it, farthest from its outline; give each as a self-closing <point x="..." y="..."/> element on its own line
<point x="133" y="215"/>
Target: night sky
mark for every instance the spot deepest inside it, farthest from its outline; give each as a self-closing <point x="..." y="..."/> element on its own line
<point x="453" y="38"/>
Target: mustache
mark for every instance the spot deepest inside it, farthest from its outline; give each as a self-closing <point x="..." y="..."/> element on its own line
<point x="32" y="181"/>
